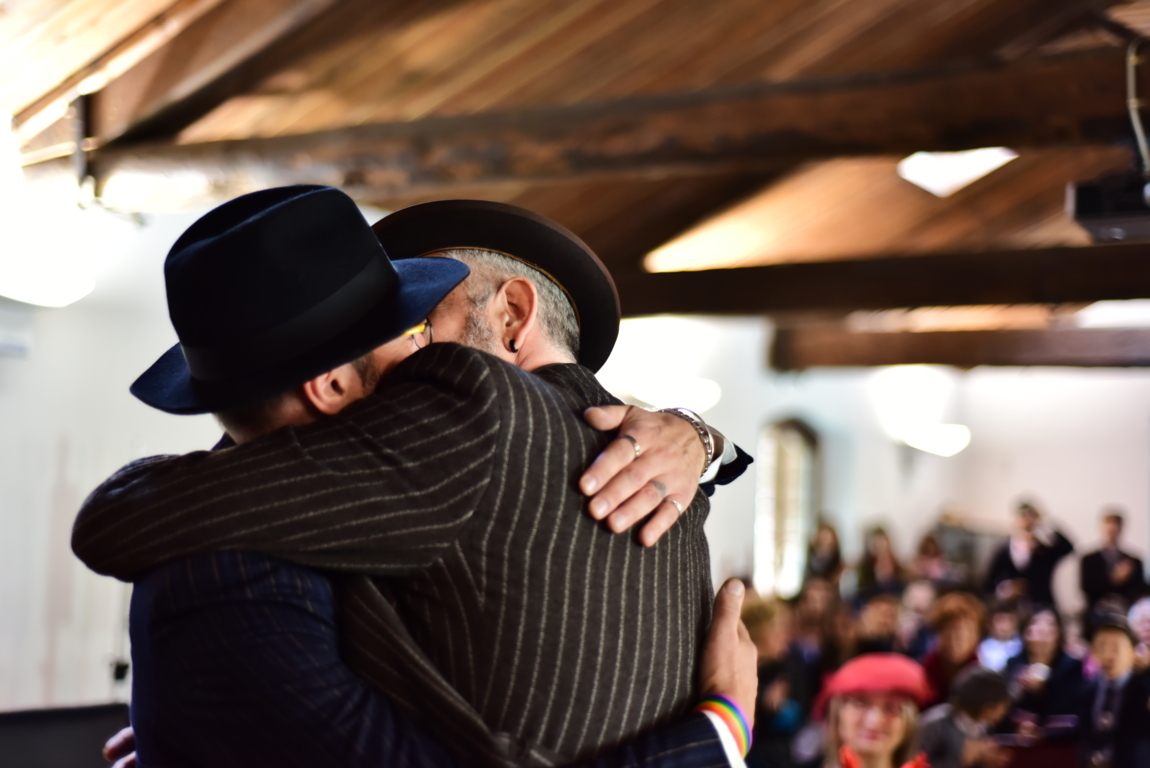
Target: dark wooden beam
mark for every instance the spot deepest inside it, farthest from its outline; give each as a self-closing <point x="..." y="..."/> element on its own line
<point x="801" y="348"/>
<point x="1060" y="100"/>
<point x="1046" y="276"/>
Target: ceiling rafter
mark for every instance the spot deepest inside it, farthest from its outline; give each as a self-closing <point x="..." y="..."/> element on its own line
<point x="801" y="348"/>
<point x="1050" y="101"/>
<point x="1040" y="276"/>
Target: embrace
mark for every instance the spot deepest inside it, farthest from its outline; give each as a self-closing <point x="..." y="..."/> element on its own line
<point x="429" y="536"/>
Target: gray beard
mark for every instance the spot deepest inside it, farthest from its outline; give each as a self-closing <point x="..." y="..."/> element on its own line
<point x="477" y="334"/>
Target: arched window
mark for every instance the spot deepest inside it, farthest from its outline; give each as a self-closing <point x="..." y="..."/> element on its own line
<point x="786" y="501"/>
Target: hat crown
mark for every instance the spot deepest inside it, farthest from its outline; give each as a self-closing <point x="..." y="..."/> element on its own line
<point x="259" y="261"/>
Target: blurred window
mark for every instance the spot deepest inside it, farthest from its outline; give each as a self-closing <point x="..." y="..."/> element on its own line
<point x="785" y="506"/>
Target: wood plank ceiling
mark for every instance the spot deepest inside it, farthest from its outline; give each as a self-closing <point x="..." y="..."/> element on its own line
<point x="724" y="134"/>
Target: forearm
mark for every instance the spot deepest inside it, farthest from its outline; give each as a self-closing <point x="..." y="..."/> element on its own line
<point x="384" y="476"/>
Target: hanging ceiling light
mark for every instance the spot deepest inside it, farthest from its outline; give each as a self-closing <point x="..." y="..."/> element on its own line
<point x="51" y="249"/>
<point x="910" y="401"/>
<point x="944" y="173"/>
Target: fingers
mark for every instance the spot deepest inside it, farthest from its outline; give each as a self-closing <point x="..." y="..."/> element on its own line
<point x="120" y="745"/>
<point x="126" y="762"/>
<point x="661" y="522"/>
<point x="605" y="417"/>
<point x="728" y="606"/>
<point x="640" y="504"/>
<point x="606" y="468"/>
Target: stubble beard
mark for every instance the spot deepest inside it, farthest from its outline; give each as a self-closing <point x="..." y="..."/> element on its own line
<point x="477" y="334"/>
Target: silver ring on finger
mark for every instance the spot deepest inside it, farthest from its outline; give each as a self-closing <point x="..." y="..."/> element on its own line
<point x="678" y="506"/>
<point x="634" y="444"/>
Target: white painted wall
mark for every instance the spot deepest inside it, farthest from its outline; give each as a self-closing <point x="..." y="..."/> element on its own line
<point x="1072" y="439"/>
<point x="66" y="422"/>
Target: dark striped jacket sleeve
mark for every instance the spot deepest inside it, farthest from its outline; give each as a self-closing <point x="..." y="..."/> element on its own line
<point x="381" y="489"/>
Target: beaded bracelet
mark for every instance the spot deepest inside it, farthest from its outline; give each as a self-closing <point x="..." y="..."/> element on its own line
<point x="732" y="715"/>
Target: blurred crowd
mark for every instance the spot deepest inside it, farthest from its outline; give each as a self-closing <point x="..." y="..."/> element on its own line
<point x="929" y="662"/>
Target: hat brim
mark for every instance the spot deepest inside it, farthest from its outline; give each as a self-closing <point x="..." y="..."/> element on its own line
<point x="535" y="240"/>
<point x="168" y="385"/>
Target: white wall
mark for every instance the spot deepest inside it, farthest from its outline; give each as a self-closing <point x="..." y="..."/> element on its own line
<point x="1072" y="439"/>
<point x="66" y="422"/>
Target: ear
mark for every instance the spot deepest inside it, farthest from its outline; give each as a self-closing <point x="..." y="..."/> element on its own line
<point x="514" y="308"/>
<point x="331" y="392"/>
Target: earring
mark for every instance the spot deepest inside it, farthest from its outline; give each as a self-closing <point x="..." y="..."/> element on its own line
<point x="511" y="346"/>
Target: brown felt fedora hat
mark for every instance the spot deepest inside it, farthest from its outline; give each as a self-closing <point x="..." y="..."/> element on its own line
<point x="427" y="228"/>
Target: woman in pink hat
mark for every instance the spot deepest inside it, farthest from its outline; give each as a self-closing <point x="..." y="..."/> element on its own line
<point x="871" y="705"/>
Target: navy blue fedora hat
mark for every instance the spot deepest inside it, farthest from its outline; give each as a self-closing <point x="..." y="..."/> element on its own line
<point x="276" y="287"/>
<point x="441" y="225"/>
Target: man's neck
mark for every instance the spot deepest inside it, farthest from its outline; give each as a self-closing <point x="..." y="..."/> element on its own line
<point x="534" y="356"/>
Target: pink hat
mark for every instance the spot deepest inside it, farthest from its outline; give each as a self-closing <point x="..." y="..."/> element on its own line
<point x="877" y="673"/>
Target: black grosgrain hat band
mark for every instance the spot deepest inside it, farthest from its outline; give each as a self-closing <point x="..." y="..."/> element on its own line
<point x="303" y="332"/>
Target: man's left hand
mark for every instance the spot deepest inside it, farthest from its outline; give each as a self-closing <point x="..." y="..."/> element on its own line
<point x="653" y="466"/>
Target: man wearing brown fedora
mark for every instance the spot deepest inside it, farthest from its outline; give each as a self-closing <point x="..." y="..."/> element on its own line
<point x="451" y="489"/>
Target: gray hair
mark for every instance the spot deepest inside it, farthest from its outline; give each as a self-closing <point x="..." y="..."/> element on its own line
<point x="489" y="270"/>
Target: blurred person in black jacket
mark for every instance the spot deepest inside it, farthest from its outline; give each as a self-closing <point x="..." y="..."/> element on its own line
<point x="1113" y="712"/>
<point x="1045" y="681"/>
<point x="824" y="556"/>
<point x="1110" y="570"/>
<point x="879" y="570"/>
<point x="1023" y="568"/>
<point x="785" y="695"/>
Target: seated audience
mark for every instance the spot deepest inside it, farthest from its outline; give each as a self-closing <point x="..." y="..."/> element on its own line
<point x="784" y="695"/>
<point x="1111" y="571"/>
<point x="958" y="618"/>
<point x="872" y="710"/>
<point x="879" y="570"/>
<point x="877" y="625"/>
<point x="1023" y="568"/>
<point x="1114" y="715"/>
<point x="1045" y="681"/>
<point x="1003" y="642"/>
<point x="824" y="556"/>
<point x="954" y="735"/>
<point x="915" y="637"/>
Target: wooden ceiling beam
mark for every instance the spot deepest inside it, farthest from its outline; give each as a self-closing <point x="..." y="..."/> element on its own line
<point x="801" y="348"/>
<point x="1069" y="99"/>
<point x="1041" y="276"/>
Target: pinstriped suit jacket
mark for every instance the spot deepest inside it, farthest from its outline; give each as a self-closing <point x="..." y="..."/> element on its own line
<point x="236" y="663"/>
<point x="454" y="486"/>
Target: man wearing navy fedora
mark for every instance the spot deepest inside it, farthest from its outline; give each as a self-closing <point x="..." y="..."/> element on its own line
<point x="446" y="498"/>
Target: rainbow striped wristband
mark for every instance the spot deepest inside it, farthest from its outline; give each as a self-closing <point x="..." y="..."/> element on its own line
<point x="730" y="714"/>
